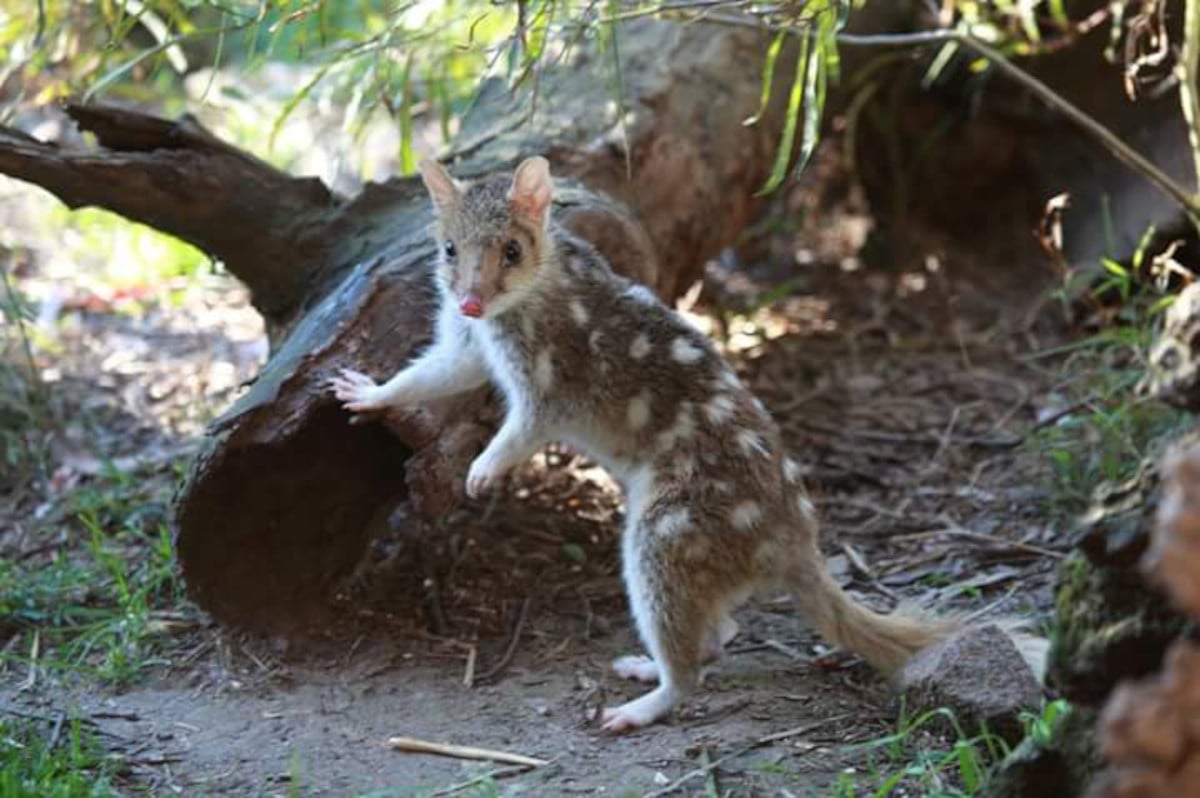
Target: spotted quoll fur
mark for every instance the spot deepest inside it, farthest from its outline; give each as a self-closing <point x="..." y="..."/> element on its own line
<point x="715" y="510"/>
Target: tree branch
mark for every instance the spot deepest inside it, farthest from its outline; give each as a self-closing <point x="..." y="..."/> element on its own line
<point x="263" y="224"/>
<point x="1187" y="200"/>
<point x="1188" y="70"/>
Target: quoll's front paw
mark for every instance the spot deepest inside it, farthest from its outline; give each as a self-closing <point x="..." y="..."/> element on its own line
<point x="481" y="478"/>
<point x="356" y="391"/>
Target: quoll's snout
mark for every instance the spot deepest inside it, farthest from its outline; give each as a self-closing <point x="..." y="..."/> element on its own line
<point x="471" y="305"/>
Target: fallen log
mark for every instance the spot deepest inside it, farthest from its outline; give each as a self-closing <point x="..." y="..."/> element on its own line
<point x="281" y="501"/>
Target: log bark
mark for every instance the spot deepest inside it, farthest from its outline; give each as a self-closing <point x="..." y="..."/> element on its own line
<point x="282" y="500"/>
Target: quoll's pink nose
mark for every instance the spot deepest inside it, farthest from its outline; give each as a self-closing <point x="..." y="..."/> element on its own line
<point x="472" y="306"/>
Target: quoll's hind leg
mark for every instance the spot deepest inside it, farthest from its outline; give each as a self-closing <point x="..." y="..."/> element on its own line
<point x="641" y="668"/>
<point x="672" y="623"/>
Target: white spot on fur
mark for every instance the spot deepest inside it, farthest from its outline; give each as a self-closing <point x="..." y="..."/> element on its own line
<point x="719" y="408"/>
<point x="578" y="312"/>
<point x="791" y="470"/>
<point x="720" y="486"/>
<point x="641" y="293"/>
<point x="543" y="370"/>
<point x="594" y="340"/>
<point x="805" y="506"/>
<point x="640" y="346"/>
<point x="638" y="412"/>
<point x="684" y="351"/>
<point x="682" y="429"/>
<point x="746" y="514"/>
<point x="751" y="443"/>
<point x="729" y="380"/>
<point x="527" y="328"/>
<point x="760" y="407"/>
<point x="671" y="522"/>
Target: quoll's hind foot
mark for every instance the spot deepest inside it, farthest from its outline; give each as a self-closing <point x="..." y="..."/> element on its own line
<point x="637" y="667"/>
<point x="641" y="668"/>
<point x="639" y="712"/>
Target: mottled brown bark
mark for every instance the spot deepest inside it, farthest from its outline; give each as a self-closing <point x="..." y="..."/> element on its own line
<point x="282" y="500"/>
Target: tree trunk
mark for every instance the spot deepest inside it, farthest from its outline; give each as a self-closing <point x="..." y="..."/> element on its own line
<point x="281" y="501"/>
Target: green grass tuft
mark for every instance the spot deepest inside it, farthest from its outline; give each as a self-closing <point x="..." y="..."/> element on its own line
<point x="103" y="606"/>
<point x="38" y="762"/>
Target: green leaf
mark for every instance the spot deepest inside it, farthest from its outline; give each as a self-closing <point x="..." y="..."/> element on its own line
<point x="1161" y="304"/>
<point x="1026" y="10"/>
<point x="783" y="156"/>
<point x="968" y="765"/>
<point x="1114" y="268"/>
<point x="574" y="552"/>
<point x="939" y="64"/>
<point x="408" y="162"/>
<point x="814" y="97"/>
<point x="1139" y="254"/>
<point x="293" y="103"/>
<point x="768" y="77"/>
<point x="1058" y="13"/>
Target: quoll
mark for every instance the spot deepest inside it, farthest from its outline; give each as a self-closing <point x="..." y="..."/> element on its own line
<point x="715" y="509"/>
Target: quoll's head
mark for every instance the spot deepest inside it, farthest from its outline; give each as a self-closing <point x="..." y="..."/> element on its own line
<point x="492" y="235"/>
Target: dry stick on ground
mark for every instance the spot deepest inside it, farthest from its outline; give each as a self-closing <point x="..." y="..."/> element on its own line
<point x="953" y="528"/>
<point x="759" y="743"/>
<point x="413" y="745"/>
<point x="498" y="773"/>
<point x="496" y="669"/>
<point x="469" y="669"/>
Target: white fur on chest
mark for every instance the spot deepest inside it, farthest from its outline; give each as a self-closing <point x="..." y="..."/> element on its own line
<point x="506" y="366"/>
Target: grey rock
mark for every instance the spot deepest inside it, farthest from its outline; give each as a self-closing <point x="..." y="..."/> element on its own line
<point x="980" y="675"/>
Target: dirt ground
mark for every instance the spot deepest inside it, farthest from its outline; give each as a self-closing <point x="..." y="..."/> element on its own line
<point x="905" y="389"/>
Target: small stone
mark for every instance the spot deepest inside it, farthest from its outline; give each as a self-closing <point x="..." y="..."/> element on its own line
<point x="980" y="675"/>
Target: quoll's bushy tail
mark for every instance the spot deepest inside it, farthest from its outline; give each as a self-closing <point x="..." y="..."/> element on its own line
<point x="885" y="641"/>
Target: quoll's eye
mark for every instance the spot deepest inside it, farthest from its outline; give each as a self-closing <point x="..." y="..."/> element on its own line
<point x="448" y="248"/>
<point x="512" y="252"/>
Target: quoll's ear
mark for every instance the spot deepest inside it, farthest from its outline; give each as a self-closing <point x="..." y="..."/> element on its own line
<point x="443" y="189"/>
<point x="532" y="189"/>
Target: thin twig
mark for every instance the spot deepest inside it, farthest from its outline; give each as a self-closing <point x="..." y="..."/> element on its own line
<point x="55" y="732"/>
<point x="512" y="646"/>
<point x="759" y="743"/>
<point x="469" y="669"/>
<point x="1123" y="152"/>
<point x="498" y="773"/>
<point x="953" y="528"/>
<point x="31" y="679"/>
<point x="14" y="307"/>
<point x="413" y="745"/>
<point x="1188" y="71"/>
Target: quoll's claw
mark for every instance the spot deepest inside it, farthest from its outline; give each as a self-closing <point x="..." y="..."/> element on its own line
<point x="355" y="391"/>
<point x="478" y="484"/>
<point x="617" y="721"/>
<point x="481" y="478"/>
